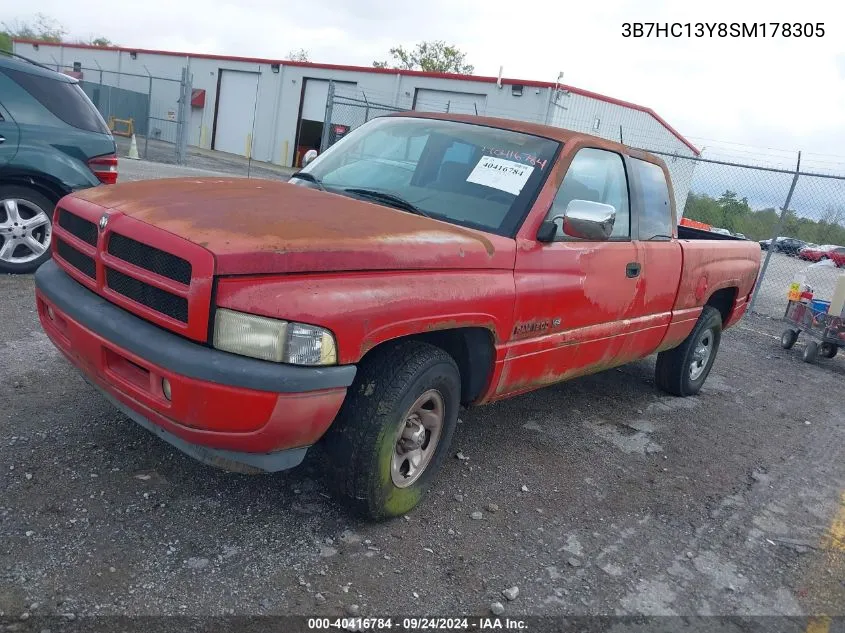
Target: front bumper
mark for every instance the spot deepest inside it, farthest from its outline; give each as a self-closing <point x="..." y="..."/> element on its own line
<point x="230" y="411"/>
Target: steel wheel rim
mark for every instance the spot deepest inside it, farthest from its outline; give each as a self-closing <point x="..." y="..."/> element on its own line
<point x="417" y="440"/>
<point x="701" y="354"/>
<point x="25" y="231"/>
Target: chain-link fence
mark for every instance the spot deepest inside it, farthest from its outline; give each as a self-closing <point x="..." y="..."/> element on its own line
<point x="796" y="215"/>
<point x="154" y="109"/>
<point x="348" y="108"/>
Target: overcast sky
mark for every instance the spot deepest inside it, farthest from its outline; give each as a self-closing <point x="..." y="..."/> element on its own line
<point x="784" y="94"/>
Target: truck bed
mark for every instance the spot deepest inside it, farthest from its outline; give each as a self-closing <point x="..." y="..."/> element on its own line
<point x="689" y="233"/>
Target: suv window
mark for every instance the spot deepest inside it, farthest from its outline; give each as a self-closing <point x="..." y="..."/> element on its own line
<point x="655" y="218"/>
<point x="598" y="176"/>
<point x="65" y="100"/>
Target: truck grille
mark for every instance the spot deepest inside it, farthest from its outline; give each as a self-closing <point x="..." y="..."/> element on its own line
<point x="76" y="226"/>
<point x="155" y="298"/>
<point x="82" y="262"/>
<point x="159" y="277"/>
<point x="150" y="258"/>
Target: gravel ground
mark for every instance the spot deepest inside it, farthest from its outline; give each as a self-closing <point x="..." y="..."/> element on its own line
<point x="600" y="496"/>
<point x="782" y="271"/>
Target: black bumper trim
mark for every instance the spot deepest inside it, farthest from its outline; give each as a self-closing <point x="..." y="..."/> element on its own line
<point x="175" y="353"/>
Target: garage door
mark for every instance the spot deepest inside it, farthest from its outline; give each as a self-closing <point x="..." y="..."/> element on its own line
<point x="446" y="101"/>
<point x="235" y="110"/>
<point x="314" y="100"/>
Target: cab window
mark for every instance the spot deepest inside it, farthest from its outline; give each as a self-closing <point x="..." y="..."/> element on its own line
<point x="595" y="175"/>
<point x="655" y="219"/>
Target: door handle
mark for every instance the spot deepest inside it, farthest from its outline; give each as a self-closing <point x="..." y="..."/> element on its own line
<point x="2" y="138"/>
<point x="632" y="270"/>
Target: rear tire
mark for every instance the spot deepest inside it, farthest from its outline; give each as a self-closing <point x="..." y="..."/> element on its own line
<point x="20" y="207"/>
<point x="682" y="371"/>
<point x="788" y="338"/>
<point x="381" y="430"/>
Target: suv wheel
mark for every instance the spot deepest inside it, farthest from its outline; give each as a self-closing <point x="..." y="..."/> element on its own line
<point x="25" y="229"/>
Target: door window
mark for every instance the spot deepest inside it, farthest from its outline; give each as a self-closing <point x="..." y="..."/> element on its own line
<point x="595" y="175"/>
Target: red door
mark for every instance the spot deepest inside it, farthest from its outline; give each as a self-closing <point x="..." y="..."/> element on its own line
<point x="578" y="303"/>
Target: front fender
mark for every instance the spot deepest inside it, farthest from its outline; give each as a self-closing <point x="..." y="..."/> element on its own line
<point x="364" y="309"/>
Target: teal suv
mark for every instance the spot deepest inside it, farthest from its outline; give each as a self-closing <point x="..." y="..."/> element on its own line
<point x="52" y="142"/>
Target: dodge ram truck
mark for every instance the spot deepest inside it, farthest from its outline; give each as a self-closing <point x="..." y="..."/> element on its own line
<point x="423" y="263"/>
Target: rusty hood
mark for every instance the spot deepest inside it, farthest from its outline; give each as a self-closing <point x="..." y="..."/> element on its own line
<point x="257" y="226"/>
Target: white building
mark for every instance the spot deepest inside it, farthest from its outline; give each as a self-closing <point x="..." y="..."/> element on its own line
<point x="275" y="109"/>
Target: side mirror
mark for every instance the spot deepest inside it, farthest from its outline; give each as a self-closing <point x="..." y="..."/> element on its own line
<point x="588" y="220"/>
<point x="309" y="157"/>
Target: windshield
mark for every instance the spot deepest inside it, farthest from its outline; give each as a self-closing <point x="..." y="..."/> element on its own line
<point x="467" y="174"/>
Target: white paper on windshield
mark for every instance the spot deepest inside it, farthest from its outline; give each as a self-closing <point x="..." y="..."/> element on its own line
<point x="501" y="174"/>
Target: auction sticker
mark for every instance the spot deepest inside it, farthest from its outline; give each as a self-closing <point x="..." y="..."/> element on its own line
<point x="500" y="173"/>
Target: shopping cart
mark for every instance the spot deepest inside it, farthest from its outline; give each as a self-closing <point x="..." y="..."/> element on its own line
<point x="827" y="331"/>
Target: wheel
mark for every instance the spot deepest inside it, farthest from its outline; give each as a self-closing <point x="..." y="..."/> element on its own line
<point x="682" y="371"/>
<point x="828" y="350"/>
<point x="394" y="428"/>
<point x="811" y="352"/>
<point x="25" y="229"/>
<point x="788" y="338"/>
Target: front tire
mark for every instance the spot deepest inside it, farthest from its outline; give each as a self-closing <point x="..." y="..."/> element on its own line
<point x="394" y="428"/>
<point x="682" y="371"/>
<point x="26" y="230"/>
<point x="811" y="352"/>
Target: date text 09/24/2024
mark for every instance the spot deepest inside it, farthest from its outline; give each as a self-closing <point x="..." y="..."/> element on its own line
<point x="723" y="29"/>
<point x="417" y="624"/>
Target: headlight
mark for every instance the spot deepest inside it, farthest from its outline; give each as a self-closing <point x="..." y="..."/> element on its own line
<point x="273" y="339"/>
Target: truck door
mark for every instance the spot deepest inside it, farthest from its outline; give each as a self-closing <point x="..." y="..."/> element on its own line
<point x="659" y="254"/>
<point x="574" y="298"/>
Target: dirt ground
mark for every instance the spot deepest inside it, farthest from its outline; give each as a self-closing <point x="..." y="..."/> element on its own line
<point x="602" y="496"/>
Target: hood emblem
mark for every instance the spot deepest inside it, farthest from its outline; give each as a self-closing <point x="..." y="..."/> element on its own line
<point x="104" y="220"/>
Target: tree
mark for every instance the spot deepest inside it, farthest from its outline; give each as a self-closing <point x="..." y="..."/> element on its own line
<point x="43" y="29"/>
<point x="432" y="56"/>
<point x="300" y="55"/>
<point x="734" y="210"/>
<point x="733" y="213"/>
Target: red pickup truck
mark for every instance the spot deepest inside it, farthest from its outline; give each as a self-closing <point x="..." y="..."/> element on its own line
<point x="423" y="263"/>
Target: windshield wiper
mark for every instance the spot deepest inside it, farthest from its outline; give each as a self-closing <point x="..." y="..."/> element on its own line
<point x="304" y="175"/>
<point x="387" y="198"/>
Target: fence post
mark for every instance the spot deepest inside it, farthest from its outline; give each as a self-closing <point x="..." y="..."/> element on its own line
<point x="149" y="102"/>
<point x="367" y="109"/>
<point x="182" y="118"/>
<point x="324" y="139"/>
<point x="778" y="228"/>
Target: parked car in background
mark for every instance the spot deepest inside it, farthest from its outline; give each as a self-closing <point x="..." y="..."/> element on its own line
<point x="52" y="142"/>
<point x="786" y="245"/>
<point x="837" y="256"/>
<point x="817" y="253"/>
